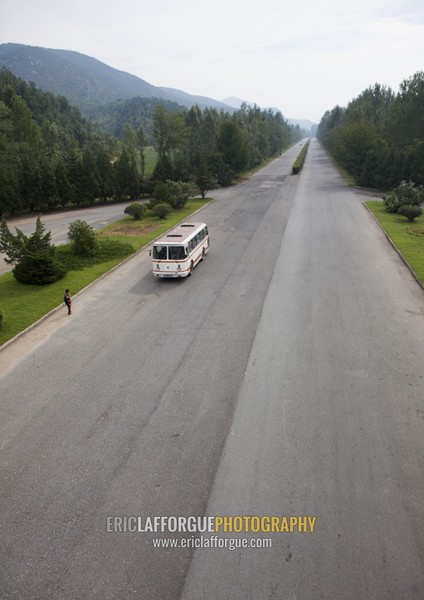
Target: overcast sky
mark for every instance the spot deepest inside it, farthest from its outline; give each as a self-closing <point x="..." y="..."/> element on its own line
<point x="301" y="56"/>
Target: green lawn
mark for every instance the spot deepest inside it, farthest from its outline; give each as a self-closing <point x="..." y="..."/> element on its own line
<point x="22" y="305"/>
<point x="407" y="237"/>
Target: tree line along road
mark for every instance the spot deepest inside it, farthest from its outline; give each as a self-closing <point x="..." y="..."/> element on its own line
<point x="284" y="378"/>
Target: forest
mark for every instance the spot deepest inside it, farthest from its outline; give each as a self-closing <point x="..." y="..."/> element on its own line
<point x="51" y="156"/>
<point x="379" y="136"/>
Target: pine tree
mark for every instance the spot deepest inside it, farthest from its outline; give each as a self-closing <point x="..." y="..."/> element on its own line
<point x="33" y="256"/>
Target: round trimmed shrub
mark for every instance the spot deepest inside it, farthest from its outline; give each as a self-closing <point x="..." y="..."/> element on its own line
<point x="83" y="238"/>
<point x="136" y="210"/>
<point x="162" y="210"/>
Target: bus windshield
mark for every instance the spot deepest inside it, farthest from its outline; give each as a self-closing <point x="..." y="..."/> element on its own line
<point x="160" y="252"/>
<point x="176" y="253"/>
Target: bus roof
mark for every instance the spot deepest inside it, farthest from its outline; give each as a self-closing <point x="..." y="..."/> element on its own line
<point x="180" y="234"/>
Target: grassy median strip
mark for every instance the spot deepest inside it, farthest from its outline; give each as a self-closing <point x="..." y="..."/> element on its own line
<point x="407" y="237"/>
<point x="22" y="305"/>
<point x="300" y="160"/>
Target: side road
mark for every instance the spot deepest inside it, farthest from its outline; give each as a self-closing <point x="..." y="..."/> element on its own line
<point x="58" y="222"/>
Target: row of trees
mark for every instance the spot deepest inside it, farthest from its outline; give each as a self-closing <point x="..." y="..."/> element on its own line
<point x="50" y="156"/>
<point x="47" y="149"/>
<point x="379" y="136"/>
<point x="214" y="147"/>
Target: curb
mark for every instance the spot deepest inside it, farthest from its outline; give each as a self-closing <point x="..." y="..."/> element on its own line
<point x="399" y="253"/>
<point x="57" y="308"/>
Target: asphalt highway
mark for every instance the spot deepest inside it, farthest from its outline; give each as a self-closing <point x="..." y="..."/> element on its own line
<point x="284" y="378"/>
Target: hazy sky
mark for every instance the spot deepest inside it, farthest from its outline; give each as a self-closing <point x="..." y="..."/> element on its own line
<point x="303" y="57"/>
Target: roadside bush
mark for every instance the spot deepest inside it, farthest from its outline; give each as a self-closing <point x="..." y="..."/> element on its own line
<point x="161" y="194"/>
<point x="83" y="238"/>
<point x="392" y="203"/>
<point x="410" y="211"/>
<point x="180" y="192"/>
<point x="174" y="193"/>
<point x="162" y="210"/>
<point x="406" y="194"/>
<point x="136" y="210"/>
<point x="38" y="270"/>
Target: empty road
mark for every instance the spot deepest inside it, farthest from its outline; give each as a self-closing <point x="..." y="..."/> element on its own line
<point x="284" y="378"/>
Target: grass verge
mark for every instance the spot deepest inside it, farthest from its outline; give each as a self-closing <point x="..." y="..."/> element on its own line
<point x="22" y="305"/>
<point x="407" y="237"/>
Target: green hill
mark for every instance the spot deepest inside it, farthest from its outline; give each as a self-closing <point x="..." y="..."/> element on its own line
<point x="137" y="112"/>
<point x="85" y="81"/>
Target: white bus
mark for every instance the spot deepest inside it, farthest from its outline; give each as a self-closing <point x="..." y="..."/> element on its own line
<point x="178" y="252"/>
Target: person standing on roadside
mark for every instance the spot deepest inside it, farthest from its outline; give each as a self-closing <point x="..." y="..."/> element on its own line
<point x="68" y="301"/>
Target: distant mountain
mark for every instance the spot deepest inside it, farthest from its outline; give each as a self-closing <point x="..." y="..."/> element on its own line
<point x="185" y="99"/>
<point x="100" y="91"/>
<point x="236" y="102"/>
<point x="303" y="123"/>
<point x="85" y="81"/>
